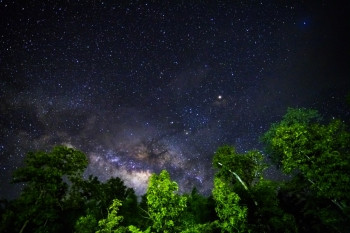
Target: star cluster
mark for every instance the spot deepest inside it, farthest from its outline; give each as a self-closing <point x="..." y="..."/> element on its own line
<point x="143" y="86"/>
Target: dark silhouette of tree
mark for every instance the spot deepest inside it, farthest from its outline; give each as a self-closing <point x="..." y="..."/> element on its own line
<point x="46" y="176"/>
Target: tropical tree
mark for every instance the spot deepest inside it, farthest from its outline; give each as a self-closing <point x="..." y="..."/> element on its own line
<point x="243" y="175"/>
<point x="241" y="170"/>
<point x="46" y="176"/>
<point x="164" y="204"/>
<point x="200" y="209"/>
<point x="112" y="223"/>
<point x="233" y="216"/>
<point x="319" y="152"/>
<point x="268" y="215"/>
<point x="299" y="116"/>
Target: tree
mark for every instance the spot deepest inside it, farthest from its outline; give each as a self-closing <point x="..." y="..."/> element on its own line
<point x="311" y="213"/>
<point x="293" y="116"/>
<point x="130" y="209"/>
<point x="300" y="143"/>
<point x="236" y="168"/>
<point x="46" y="176"/>
<point x="233" y="217"/>
<point x="164" y="204"/>
<point x="95" y="197"/>
<point x="242" y="174"/>
<point x="200" y="209"/>
<point x="321" y="152"/>
<point x="268" y="215"/>
<point x="241" y="171"/>
<point x="111" y="223"/>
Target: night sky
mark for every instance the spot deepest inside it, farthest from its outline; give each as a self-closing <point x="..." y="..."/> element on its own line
<point x="143" y="86"/>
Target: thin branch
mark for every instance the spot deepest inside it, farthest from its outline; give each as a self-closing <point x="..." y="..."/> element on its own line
<point x="240" y="180"/>
<point x="146" y="213"/>
<point x="237" y="177"/>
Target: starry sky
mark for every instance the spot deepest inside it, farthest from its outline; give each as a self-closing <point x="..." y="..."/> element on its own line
<point x="141" y="86"/>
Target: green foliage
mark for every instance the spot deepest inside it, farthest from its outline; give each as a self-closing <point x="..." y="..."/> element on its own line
<point x="233" y="217"/>
<point x="111" y="223"/>
<point x="242" y="173"/>
<point x="46" y="176"/>
<point x="320" y="152"/>
<point x="307" y="209"/>
<point x="134" y="229"/>
<point x="199" y="209"/>
<point x="238" y="168"/>
<point x="49" y="168"/>
<point x="203" y="228"/>
<point x="164" y="204"/>
<point x="94" y="198"/>
<point x="86" y="224"/>
<point x="293" y="116"/>
<point x="301" y="116"/>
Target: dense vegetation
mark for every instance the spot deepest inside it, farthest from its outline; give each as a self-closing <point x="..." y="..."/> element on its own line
<point x="56" y="198"/>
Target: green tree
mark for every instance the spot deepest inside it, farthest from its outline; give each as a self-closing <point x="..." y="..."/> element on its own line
<point x="112" y="223"/>
<point x="242" y="173"/>
<point x="235" y="168"/>
<point x="164" y="204"/>
<point x="319" y="152"/>
<point x="46" y="177"/>
<point x="233" y="216"/>
<point x="95" y="197"/>
<point x="293" y="116"/>
<point x="200" y="209"/>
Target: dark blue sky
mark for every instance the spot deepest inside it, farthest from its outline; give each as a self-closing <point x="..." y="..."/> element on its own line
<point x="144" y="86"/>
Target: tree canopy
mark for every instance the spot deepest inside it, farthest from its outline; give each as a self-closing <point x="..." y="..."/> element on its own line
<point x="319" y="151"/>
<point x="233" y="217"/>
<point x="46" y="176"/>
<point x="164" y="204"/>
<point x="314" y="152"/>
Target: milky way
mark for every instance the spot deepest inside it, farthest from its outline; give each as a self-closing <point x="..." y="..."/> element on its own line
<point x="140" y="87"/>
